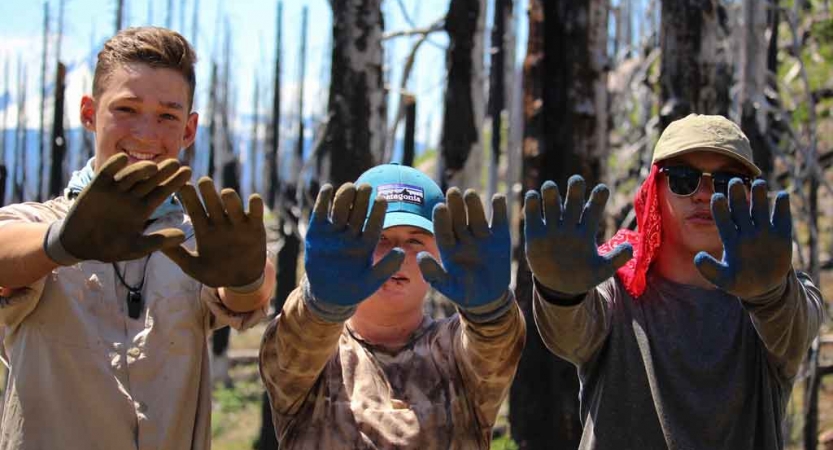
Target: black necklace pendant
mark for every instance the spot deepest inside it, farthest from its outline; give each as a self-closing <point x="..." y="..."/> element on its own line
<point x="134" y="303"/>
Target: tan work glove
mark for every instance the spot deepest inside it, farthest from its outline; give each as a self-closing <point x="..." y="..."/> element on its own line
<point x="107" y="220"/>
<point x="231" y="244"/>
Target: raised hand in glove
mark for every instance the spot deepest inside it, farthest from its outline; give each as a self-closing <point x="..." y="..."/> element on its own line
<point x="757" y="249"/>
<point x="106" y="221"/>
<point x="561" y="244"/>
<point x="339" y="246"/>
<point x="231" y="244"/>
<point x="475" y="257"/>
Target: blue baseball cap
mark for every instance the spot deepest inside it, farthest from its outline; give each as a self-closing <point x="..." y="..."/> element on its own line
<point x="411" y="195"/>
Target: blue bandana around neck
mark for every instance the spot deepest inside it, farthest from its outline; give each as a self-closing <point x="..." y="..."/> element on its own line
<point x="81" y="178"/>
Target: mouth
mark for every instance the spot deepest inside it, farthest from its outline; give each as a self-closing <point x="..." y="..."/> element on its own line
<point x="399" y="279"/>
<point x="138" y="155"/>
<point x="701" y="217"/>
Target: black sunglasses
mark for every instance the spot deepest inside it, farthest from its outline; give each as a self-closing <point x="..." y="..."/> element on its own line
<point x="685" y="180"/>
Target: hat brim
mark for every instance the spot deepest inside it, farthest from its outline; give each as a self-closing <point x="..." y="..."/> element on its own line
<point x="399" y="218"/>
<point x="683" y="151"/>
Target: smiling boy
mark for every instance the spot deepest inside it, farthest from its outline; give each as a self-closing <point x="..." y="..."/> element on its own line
<point x="105" y="335"/>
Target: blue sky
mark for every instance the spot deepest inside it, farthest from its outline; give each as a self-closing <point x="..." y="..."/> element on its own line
<point x="88" y="22"/>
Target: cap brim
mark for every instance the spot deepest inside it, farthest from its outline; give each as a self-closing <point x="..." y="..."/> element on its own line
<point x="399" y="218"/>
<point x="748" y="164"/>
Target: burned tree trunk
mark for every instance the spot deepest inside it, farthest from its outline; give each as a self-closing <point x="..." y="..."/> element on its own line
<point x="753" y="81"/>
<point x="463" y="115"/>
<point x="56" y="169"/>
<point x="695" y="75"/>
<point x="355" y="135"/>
<point x="408" y="148"/>
<point x="273" y="132"/>
<point x="565" y="109"/>
<point x="19" y="182"/>
<point x="497" y="87"/>
<point x="42" y="109"/>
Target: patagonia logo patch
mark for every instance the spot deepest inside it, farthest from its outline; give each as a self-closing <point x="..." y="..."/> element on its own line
<point x="400" y="192"/>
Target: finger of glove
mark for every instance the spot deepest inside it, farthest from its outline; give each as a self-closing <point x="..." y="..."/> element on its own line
<point x="739" y="205"/>
<point x="233" y="205"/>
<point x="714" y="271"/>
<point x="342" y="204"/>
<point x="476" y="216"/>
<point x="618" y="257"/>
<point x="191" y="202"/>
<point x="443" y="229"/>
<point x="387" y="266"/>
<point x="500" y="216"/>
<point x="552" y="203"/>
<point x="359" y="211"/>
<point x="575" y="201"/>
<point x="182" y="257"/>
<point x="457" y="211"/>
<point x="760" y="204"/>
<point x="158" y="240"/>
<point x="320" y="211"/>
<point x="112" y="166"/>
<point x="213" y="204"/>
<point x="781" y="216"/>
<point x="723" y="218"/>
<point x="256" y="208"/>
<point x="533" y="222"/>
<point x="130" y="176"/>
<point x="167" y="188"/>
<point x="375" y="222"/>
<point x="431" y="270"/>
<point x="594" y="208"/>
<point x="165" y="170"/>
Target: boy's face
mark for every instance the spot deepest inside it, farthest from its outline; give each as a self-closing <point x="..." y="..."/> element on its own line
<point x="687" y="222"/>
<point x="406" y="289"/>
<point x="142" y="111"/>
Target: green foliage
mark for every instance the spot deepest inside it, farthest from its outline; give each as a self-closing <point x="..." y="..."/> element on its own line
<point x="427" y="155"/>
<point x="504" y="443"/>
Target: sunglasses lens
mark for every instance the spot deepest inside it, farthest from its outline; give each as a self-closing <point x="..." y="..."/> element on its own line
<point x="682" y="180"/>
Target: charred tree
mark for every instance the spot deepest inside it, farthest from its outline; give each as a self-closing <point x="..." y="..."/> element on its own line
<point x="355" y="135"/>
<point x="695" y="75"/>
<point x="753" y="81"/>
<point x="21" y="132"/>
<point x="58" y="140"/>
<point x="408" y="149"/>
<point x="42" y="109"/>
<point x="497" y="87"/>
<point x="565" y="133"/>
<point x="463" y="114"/>
<point x="273" y="132"/>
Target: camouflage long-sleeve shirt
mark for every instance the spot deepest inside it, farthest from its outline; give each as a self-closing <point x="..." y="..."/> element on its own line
<point x="330" y="389"/>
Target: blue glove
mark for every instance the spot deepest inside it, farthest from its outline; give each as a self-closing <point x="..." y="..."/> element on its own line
<point x="339" y="252"/>
<point x="757" y="251"/>
<point x="561" y="245"/>
<point x="475" y="257"/>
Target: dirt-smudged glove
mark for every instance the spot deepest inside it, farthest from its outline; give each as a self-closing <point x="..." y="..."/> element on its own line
<point x="107" y="220"/>
<point x="231" y="243"/>
<point x="476" y="257"/>
<point x="561" y="242"/>
<point x="757" y="249"/>
<point x="339" y="246"/>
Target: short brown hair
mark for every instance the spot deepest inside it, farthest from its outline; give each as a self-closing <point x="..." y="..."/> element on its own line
<point x="154" y="46"/>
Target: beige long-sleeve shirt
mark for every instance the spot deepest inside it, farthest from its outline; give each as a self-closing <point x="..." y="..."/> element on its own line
<point x="329" y="389"/>
<point x="84" y="375"/>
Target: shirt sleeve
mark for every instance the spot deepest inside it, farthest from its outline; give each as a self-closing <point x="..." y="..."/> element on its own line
<point x="15" y="307"/>
<point x="295" y="349"/>
<point x="487" y="353"/>
<point x="221" y="316"/>
<point x="787" y="320"/>
<point x="574" y="330"/>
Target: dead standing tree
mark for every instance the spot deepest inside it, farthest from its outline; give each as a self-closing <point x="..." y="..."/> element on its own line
<point x="354" y="138"/>
<point x="565" y="111"/>
<point x="695" y="75"/>
<point x="460" y="144"/>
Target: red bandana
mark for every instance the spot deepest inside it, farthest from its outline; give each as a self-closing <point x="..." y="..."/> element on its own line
<point x="645" y="241"/>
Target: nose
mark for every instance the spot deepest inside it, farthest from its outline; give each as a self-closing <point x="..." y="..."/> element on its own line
<point x="145" y="127"/>
<point x="704" y="190"/>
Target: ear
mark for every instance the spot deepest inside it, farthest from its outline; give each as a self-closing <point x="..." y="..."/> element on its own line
<point x="88" y="113"/>
<point x="190" y="132"/>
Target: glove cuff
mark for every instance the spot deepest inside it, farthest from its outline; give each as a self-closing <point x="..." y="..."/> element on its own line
<point x="490" y="311"/>
<point x="554" y="297"/>
<point x="250" y="287"/>
<point x="326" y="311"/>
<point x="53" y="247"/>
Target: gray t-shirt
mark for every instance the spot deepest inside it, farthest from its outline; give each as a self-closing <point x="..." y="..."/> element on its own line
<point x="683" y="367"/>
